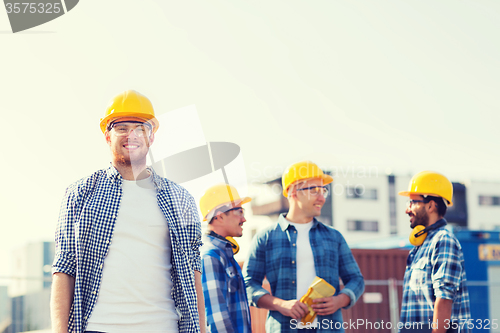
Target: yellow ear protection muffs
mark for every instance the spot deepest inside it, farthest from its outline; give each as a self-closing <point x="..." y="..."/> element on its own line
<point x="419" y="233"/>
<point x="230" y="239"/>
<point x="234" y="244"/>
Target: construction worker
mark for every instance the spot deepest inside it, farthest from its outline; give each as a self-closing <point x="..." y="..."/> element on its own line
<point x="435" y="289"/>
<point x="127" y="242"/>
<point x="296" y="249"/>
<point x="226" y="303"/>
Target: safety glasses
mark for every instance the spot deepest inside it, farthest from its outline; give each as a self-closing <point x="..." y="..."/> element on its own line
<point x="316" y="190"/>
<point x="411" y="202"/>
<point x="123" y="129"/>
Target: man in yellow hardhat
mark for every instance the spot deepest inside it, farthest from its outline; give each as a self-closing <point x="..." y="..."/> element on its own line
<point x="226" y="303"/>
<point x="292" y="252"/>
<point x="127" y="242"/>
<point x="435" y="288"/>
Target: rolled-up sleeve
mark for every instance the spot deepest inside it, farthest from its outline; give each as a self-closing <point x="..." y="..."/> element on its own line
<point x="254" y="270"/>
<point x="65" y="258"/>
<point x="193" y="225"/>
<point x="446" y="268"/>
<point x="350" y="274"/>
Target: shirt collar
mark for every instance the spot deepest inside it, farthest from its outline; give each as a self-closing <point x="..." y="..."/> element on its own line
<point x="157" y="180"/>
<point x="221" y="243"/>
<point x="284" y="223"/>
<point x="431" y="232"/>
<point x="115" y="177"/>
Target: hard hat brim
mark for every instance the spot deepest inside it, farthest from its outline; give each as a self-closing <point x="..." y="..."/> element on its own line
<point x="237" y="202"/>
<point x="327" y="179"/>
<point x="408" y="193"/>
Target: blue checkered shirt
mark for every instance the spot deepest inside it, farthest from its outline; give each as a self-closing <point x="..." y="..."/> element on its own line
<point x="85" y="229"/>
<point x="226" y="302"/>
<point x="435" y="269"/>
<point x="273" y="255"/>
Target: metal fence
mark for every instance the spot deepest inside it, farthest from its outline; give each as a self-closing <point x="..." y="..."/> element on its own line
<point x="376" y="311"/>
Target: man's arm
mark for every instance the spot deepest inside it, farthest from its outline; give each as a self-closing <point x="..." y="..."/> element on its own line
<point x="191" y="222"/>
<point x="442" y="312"/>
<point x="292" y="308"/>
<point x="201" y="301"/>
<point x="446" y="278"/>
<point x="254" y="270"/>
<point x="64" y="265"/>
<point x="328" y="305"/>
<point x="354" y="283"/>
<point x="61" y="298"/>
<point x="215" y="281"/>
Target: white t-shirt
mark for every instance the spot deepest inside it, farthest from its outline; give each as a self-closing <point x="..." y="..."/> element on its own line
<point x="135" y="293"/>
<point x="306" y="271"/>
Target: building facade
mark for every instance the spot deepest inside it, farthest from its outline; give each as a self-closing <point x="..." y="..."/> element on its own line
<point x="367" y="206"/>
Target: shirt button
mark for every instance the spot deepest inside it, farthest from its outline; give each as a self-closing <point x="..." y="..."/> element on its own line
<point x="100" y="266"/>
<point x="293" y="244"/>
<point x="85" y="317"/>
<point x="295" y="231"/>
<point x="93" y="292"/>
<point x="293" y="262"/>
<point x="293" y="282"/>
<point x="107" y="242"/>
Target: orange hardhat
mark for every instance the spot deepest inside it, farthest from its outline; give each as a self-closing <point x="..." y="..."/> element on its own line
<point x="430" y="183"/>
<point x="302" y="171"/>
<point x="130" y="104"/>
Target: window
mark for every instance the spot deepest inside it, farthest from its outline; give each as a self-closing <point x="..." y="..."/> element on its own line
<point x="358" y="225"/>
<point x="489" y="200"/>
<point x="360" y="192"/>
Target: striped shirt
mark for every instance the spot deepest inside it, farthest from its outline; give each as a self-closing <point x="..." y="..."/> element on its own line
<point x="226" y="302"/>
<point x="85" y="229"/>
<point x="435" y="269"/>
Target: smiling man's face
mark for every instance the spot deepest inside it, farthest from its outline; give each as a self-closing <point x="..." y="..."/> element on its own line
<point x="417" y="213"/>
<point x="134" y="146"/>
<point x="309" y="204"/>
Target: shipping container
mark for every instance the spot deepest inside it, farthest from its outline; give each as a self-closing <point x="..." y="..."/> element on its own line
<point x="378" y="308"/>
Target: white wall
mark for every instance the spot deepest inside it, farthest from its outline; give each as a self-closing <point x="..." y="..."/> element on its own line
<point x="482" y="217"/>
<point x="403" y="221"/>
<point x="345" y="209"/>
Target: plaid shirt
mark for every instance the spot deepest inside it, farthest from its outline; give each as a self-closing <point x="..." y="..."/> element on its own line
<point x="273" y="255"/>
<point x="226" y="302"/>
<point x="435" y="269"/>
<point x="85" y="229"/>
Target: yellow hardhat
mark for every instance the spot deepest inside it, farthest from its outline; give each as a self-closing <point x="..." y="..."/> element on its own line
<point x="430" y="183"/>
<point x="130" y="104"/>
<point x="302" y="171"/>
<point x="218" y="196"/>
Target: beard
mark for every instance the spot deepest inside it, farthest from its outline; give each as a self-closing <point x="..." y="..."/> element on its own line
<point x="129" y="158"/>
<point x="122" y="160"/>
<point x="126" y="161"/>
<point x="420" y="218"/>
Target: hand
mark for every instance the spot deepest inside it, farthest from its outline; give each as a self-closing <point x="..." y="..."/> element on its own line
<point x="328" y="305"/>
<point x="293" y="308"/>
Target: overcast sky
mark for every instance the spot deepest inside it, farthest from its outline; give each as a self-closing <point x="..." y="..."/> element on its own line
<point x="399" y="85"/>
